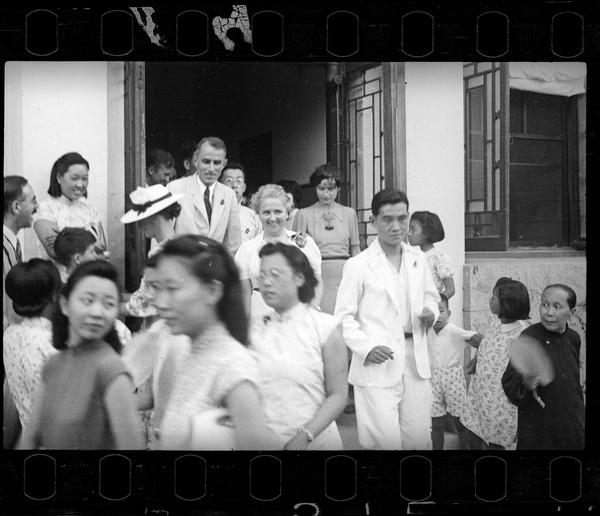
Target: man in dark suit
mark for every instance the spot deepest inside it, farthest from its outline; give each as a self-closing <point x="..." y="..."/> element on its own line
<point x="209" y="208"/>
<point x="20" y="204"/>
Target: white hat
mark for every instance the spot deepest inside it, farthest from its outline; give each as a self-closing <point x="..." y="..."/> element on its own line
<point x="148" y="201"/>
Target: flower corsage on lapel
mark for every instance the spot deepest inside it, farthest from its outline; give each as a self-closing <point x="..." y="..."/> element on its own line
<point x="299" y="239"/>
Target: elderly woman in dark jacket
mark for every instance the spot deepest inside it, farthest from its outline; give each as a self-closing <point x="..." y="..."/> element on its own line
<point x="552" y="416"/>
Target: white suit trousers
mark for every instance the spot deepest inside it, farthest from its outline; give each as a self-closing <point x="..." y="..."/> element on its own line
<point x="396" y="417"/>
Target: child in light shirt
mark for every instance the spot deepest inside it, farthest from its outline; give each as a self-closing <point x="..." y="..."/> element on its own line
<point x="448" y="377"/>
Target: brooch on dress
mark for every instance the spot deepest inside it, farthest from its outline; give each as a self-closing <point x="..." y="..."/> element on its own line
<point x="328" y="220"/>
<point x="299" y="239"/>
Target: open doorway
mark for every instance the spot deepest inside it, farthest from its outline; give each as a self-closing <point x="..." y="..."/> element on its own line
<point x="272" y="114"/>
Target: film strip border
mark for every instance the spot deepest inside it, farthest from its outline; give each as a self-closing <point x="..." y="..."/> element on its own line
<point x="409" y="30"/>
<point x="362" y="483"/>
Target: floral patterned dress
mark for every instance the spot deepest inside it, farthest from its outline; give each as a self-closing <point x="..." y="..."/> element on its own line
<point x="488" y="411"/>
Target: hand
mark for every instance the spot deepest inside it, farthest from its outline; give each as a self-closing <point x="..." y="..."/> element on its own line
<point x="531" y="381"/>
<point x="298" y="442"/>
<point x="379" y="354"/>
<point x="51" y="238"/>
<point x="427" y="318"/>
<point x="471" y="366"/>
<point x="475" y="340"/>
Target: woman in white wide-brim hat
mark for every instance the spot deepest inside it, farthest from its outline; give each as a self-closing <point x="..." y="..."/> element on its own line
<point x="155" y="208"/>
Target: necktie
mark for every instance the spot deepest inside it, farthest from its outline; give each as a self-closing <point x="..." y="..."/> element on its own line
<point x="207" y="203"/>
<point x="18" y="252"/>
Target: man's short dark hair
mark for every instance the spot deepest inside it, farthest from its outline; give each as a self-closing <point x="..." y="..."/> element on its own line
<point x="235" y="165"/>
<point x="292" y="187"/>
<point x="158" y="157"/>
<point x="387" y="196"/>
<point x="13" y="190"/>
<point x="72" y="241"/>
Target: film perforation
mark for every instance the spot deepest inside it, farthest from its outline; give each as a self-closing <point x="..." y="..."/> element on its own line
<point x="41" y="38"/>
<point x="490" y="479"/>
<point x="192" y="34"/>
<point x="567" y="34"/>
<point x="190" y="477"/>
<point x="493" y="34"/>
<point x="415" y="478"/>
<point x="340" y="478"/>
<point x="343" y="33"/>
<point x="265" y="477"/>
<point x="116" y="33"/>
<point x="39" y="477"/>
<point x="565" y="479"/>
<point x="268" y="33"/>
<point x="418" y="34"/>
<point x="114" y="477"/>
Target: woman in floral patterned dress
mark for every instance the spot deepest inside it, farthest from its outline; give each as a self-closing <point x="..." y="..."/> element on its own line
<point x="489" y="415"/>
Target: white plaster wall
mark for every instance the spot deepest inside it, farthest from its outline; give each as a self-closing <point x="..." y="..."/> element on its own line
<point x="59" y="107"/>
<point x="435" y="156"/>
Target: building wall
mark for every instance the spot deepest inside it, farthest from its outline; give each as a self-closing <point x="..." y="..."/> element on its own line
<point x="435" y="156"/>
<point x="59" y="107"/>
<point x="536" y="272"/>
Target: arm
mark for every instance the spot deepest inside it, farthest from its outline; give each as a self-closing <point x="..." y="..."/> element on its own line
<point x="122" y="414"/>
<point x="349" y="295"/>
<point x="354" y="238"/>
<point x="233" y="233"/>
<point x="11" y="423"/>
<point x="450" y="289"/>
<point x="250" y="429"/>
<point x="513" y="386"/>
<point x="336" y="385"/>
<point x="30" y="438"/>
<point x="46" y="232"/>
<point x="431" y="298"/>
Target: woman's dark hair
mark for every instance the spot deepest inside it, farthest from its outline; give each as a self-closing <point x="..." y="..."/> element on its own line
<point x="387" y="196"/>
<point x="326" y="171"/>
<point x="171" y="212"/>
<point x="292" y="187"/>
<point x="514" y="299"/>
<point x="571" y="296"/>
<point x="299" y="263"/>
<point x="431" y="224"/>
<point x="32" y="286"/>
<point x="60" y="322"/>
<point x="209" y="261"/>
<point x="61" y="165"/>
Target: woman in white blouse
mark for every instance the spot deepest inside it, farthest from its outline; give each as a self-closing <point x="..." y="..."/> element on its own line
<point x="302" y="360"/>
<point x="31" y="286"/>
<point x="67" y="206"/>
<point x="270" y="202"/>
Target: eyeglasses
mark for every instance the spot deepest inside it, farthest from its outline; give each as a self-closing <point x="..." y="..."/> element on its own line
<point x="230" y="181"/>
<point x="272" y="274"/>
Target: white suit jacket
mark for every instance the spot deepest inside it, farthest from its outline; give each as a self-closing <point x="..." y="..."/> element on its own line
<point x="367" y="305"/>
<point x="225" y="219"/>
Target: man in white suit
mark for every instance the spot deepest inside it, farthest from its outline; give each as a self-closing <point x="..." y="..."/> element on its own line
<point x="209" y="208"/>
<point x="387" y="301"/>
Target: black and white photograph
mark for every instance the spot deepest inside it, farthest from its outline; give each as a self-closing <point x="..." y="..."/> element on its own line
<point x="347" y="277"/>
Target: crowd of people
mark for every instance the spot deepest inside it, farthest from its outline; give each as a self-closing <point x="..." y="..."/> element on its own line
<point x="262" y="322"/>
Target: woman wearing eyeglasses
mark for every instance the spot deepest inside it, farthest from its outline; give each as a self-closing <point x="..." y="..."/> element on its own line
<point x="301" y="355"/>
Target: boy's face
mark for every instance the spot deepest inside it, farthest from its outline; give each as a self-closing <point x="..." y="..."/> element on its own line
<point x="90" y="254"/>
<point x="444" y="317"/>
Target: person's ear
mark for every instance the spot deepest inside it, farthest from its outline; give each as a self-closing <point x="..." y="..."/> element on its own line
<point x="216" y="289"/>
<point x="299" y="279"/>
<point x="63" y="304"/>
<point x="76" y="260"/>
<point x="15" y="206"/>
<point x="372" y="220"/>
